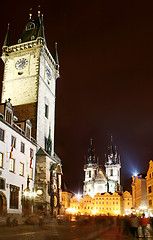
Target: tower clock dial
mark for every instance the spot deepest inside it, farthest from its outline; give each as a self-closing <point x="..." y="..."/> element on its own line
<point x="48" y="73"/>
<point x="21" y="63"/>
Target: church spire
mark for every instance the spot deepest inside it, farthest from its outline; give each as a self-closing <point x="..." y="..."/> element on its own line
<point x="112" y="156"/>
<point x="91" y="154"/>
<point x="7" y="37"/>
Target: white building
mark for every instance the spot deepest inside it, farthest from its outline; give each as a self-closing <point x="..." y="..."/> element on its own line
<point x="17" y="160"/>
<point x="96" y="180"/>
<point x="30" y="74"/>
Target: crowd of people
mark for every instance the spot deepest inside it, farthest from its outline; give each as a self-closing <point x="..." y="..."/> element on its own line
<point x="127" y="227"/>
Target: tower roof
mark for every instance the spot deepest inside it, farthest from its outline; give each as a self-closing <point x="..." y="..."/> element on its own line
<point x="33" y="29"/>
<point x="112" y="156"/>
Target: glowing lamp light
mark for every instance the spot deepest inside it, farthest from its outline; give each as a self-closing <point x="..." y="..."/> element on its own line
<point x="135" y="174"/>
<point x="71" y="210"/>
<point x="78" y="196"/>
<point x="26" y="194"/>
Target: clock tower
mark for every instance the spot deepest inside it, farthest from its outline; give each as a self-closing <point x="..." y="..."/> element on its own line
<point x="30" y="73"/>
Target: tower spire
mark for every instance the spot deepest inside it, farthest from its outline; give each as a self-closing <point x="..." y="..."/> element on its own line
<point x="7" y="37"/>
<point x="30" y="14"/>
<point x="56" y="57"/>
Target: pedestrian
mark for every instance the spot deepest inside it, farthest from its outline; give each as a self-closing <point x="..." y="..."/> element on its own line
<point x="144" y="222"/>
<point x="134" y="224"/>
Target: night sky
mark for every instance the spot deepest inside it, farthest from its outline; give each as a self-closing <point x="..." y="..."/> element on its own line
<point x="106" y="78"/>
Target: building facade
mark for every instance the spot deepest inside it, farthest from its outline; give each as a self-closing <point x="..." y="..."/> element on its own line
<point x="102" y="204"/>
<point x="139" y="192"/>
<point x="17" y="160"/>
<point x="30" y="73"/>
<point x="149" y="185"/>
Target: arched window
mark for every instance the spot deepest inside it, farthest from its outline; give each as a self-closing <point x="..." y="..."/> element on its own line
<point x="30" y="26"/>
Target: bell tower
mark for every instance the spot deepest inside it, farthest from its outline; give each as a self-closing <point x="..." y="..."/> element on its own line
<point x="30" y="73"/>
<point x="112" y="163"/>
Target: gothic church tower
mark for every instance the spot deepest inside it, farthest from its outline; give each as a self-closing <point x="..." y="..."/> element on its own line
<point x="30" y="74"/>
<point x="112" y="163"/>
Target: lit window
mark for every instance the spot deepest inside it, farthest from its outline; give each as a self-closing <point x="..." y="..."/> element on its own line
<point x="13" y="141"/>
<point x="21" y="169"/>
<point x="1" y="160"/>
<point x="12" y="165"/>
<point x="1" y="134"/>
<point x="116" y="202"/>
<point x="22" y="147"/>
<point x="14" y="197"/>
<point x="150" y="203"/>
<point x="99" y="202"/>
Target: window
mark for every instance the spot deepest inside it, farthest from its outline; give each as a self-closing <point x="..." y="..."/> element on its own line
<point x="21" y="169"/>
<point x="111" y="172"/>
<point x="30" y="26"/>
<point x="31" y="152"/>
<point x="14" y="196"/>
<point x="13" y="141"/>
<point x="12" y="165"/>
<point x="1" y="160"/>
<point x="1" y="134"/>
<point x="2" y="183"/>
<point x="22" y="147"/>
<point x="30" y="173"/>
<point x="9" y="117"/>
<point x="150" y="175"/>
<point x="28" y="133"/>
<point x="46" y="110"/>
<point x="149" y="189"/>
<point x="150" y="203"/>
<point x="89" y="173"/>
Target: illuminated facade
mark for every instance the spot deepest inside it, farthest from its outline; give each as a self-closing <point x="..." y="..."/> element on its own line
<point x="150" y="186"/>
<point x="102" y="203"/>
<point x="139" y="191"/>
<point x="17" y="160"/>
<point x="96" y="180"/>
<point x="30" y="73"/>
<point x="102" y="192"/>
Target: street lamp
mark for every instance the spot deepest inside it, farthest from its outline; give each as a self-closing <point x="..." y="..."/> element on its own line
<point x="28" y="199"/>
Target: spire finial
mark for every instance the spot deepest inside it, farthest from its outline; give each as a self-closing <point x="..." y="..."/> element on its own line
<point x="30" y="14"/>
<point x="39" y="10"/>
<point x="111" y="137"/>
<point x="91" y="141"/>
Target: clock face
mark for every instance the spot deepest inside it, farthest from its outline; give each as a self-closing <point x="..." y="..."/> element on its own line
<point x="21" y="63"/>
<point x="48" y="72"/>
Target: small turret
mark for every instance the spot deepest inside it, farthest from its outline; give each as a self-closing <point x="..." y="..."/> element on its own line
<point x="56" y="57"/>
<point x="7" y="37"/>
